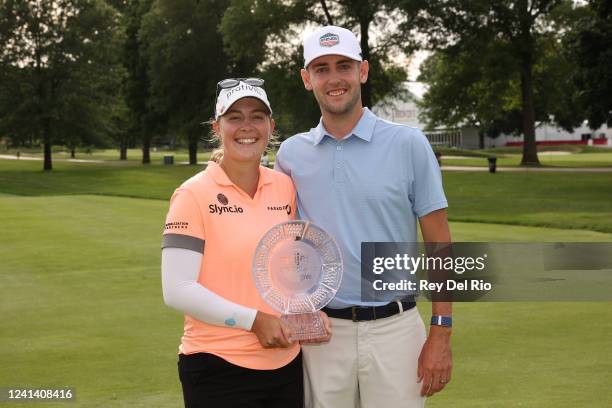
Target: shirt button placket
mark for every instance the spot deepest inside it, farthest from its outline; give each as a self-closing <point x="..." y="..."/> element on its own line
<point x="339" y="164"/>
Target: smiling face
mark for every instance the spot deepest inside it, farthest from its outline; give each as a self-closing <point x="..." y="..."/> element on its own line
<point x="336" y="83"/>
<point x="244" y="130"/>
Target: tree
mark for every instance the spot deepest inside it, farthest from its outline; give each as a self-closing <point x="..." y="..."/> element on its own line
<point x="462" y="91"/>
<point x="480" y="86"/>
<point x="127" y="122"/>
<point x="592" y="50"/>
<point x="141" y="117"/>
<point x="456" y="26"/>
<point x="62" y="53"/>
<point x="15" y="119"/>
<point x="185" y="59"/>
<point x="270" y="47"/>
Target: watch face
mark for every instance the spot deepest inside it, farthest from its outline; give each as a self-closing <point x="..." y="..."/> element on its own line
<point x="297" y="267"/>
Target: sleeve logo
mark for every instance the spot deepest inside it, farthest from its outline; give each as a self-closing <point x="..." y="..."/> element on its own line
<point x="176" y="225"/>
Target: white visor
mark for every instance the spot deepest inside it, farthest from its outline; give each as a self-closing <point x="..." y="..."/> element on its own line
<point x="228" y="96"/>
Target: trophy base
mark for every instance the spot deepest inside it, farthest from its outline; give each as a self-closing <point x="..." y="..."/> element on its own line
<point x="305" y="326"/>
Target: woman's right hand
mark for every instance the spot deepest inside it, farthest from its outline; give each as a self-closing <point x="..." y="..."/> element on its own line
<point x="271" y="331"/>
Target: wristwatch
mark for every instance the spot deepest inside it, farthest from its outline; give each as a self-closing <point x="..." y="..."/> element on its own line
<point x="445" y="321"/>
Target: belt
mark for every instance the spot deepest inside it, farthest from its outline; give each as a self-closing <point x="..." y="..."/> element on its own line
<point x="363" y="313"/>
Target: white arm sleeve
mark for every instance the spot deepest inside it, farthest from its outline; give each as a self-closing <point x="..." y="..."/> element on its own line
<point x="182" y="291"/>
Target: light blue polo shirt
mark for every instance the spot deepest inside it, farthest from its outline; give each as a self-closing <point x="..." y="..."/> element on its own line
<point x="368" y="187"/>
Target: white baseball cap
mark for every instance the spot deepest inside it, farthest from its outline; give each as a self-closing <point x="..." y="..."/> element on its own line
<point x="331" y="40"/>
<point x="228" y="96"/>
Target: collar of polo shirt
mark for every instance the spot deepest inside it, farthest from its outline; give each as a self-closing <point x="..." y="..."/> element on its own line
<point x="363" y="130"/>
<point x="219" y="176"/>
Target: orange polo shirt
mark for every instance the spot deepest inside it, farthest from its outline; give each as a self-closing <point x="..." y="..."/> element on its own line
<point x="210" y="214"/>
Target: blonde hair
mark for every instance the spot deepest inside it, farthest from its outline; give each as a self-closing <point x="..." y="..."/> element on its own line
<point x="216" y="155"/>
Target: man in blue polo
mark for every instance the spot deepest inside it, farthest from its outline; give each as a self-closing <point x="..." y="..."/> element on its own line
<point x="364" y="179"/>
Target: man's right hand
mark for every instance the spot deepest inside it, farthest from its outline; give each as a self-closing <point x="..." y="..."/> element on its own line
<point x="271" y="331"/>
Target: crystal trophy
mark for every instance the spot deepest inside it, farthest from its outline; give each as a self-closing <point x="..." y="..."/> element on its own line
<point x="297" y="270"/>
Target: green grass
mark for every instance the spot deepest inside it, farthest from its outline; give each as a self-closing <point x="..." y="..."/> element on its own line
<point x="455" y="151"/>
<point x="151" y="181"/>
<point x="574" y="148"/>
<point x="480" y="232"/>
<point x="582" y="156"/>
<point x="133" y="155"/>
<point x="81" y="300"/>
<point x="502" y="161"/>
<point x="80" y="286"/>
<point x="558" y="200"/>
<point x="588" y="160"/>
<point x="529" y="354"/>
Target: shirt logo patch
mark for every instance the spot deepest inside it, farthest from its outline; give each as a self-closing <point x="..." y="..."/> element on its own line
<point x="229" y="209"/>
<point x="222" y="199"/>
<point x="215" y="209"/>
<point x="329" y="40"/>
<point x="176" y="225"/>
<point x="285" y="207"/>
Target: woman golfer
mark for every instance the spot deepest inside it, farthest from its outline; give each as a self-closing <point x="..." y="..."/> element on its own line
<point x="235" y="351"/>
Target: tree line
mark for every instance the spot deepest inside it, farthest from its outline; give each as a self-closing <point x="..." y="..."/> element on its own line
<point x="139" y="72"/>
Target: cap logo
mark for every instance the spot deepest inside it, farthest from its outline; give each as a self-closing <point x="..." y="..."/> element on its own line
<point x="329" y="40"/>
<point x="243" y="88"/>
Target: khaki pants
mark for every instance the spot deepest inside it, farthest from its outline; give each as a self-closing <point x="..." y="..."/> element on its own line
<point x="371" y="364"/>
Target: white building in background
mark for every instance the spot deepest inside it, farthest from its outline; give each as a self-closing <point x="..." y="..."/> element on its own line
<point x="404" y="112"/>
<point x="548" y="134"/>
<point x="407" y="112"/>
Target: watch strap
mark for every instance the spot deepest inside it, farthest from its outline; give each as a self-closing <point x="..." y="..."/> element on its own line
<point x="445" y="321"/>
